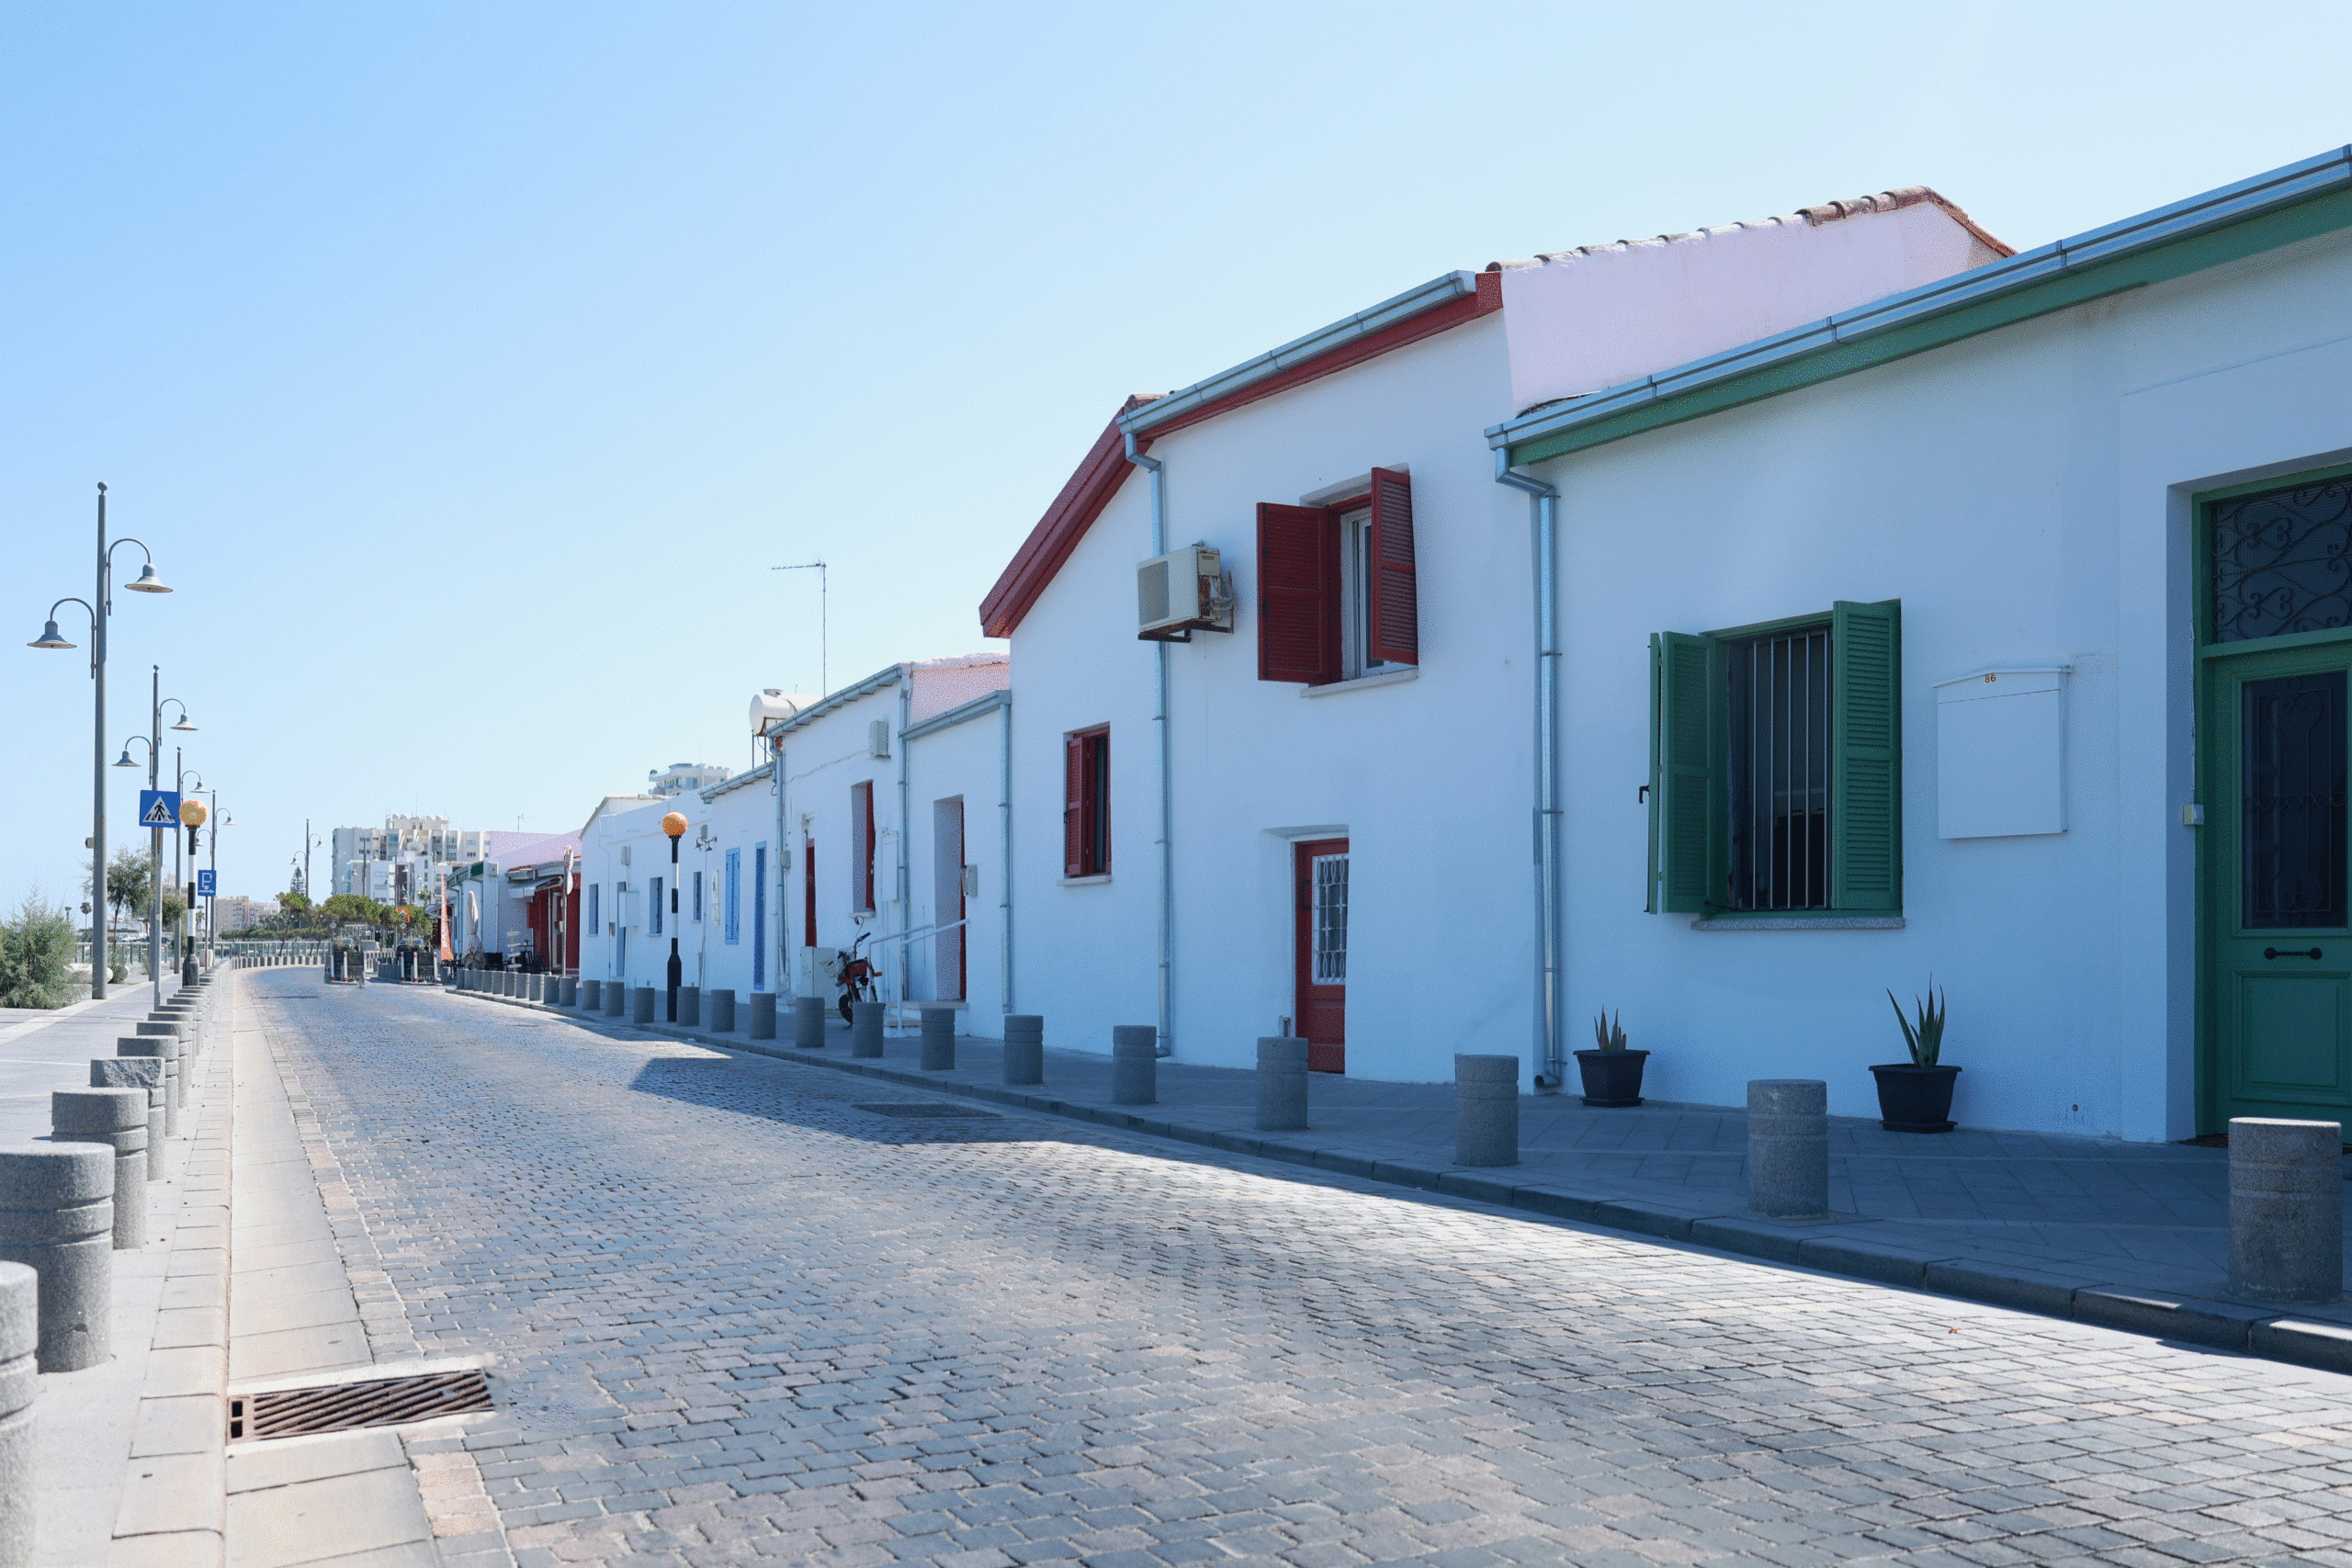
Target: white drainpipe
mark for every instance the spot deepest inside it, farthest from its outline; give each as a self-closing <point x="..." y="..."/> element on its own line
<point x="1551" y="1049"/>
<point x="1158" y="470"/>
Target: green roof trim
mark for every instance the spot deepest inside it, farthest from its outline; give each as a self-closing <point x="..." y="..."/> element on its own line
<point x="2298" y="202"/>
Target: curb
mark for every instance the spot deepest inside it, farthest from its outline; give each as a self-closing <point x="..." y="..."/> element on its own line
<point x="2163" y="1315"/>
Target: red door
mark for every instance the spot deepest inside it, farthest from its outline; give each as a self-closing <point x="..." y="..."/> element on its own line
<point x="1320" y="875"/>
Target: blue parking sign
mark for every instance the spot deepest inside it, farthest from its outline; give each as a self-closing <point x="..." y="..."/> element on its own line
<point x="204" y="884"/>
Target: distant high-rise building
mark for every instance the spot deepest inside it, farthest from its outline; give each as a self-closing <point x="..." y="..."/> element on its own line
<point x="679" y="777"/>
<point x="406" y="860"/>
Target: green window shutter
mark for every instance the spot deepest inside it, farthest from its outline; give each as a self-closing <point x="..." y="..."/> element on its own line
<point x="1866" y="757"/>
<point x="1686" y="770"/>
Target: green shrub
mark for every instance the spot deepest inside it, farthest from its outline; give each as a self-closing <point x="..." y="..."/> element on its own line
<point x="36" y="956"/>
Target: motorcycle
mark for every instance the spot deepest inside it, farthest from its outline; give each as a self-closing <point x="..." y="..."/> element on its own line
<point x="856" y="975"/>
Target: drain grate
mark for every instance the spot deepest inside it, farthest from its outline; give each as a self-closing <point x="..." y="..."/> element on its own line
<point x="923" y="1108"/>
<point x="348" y="1407"/>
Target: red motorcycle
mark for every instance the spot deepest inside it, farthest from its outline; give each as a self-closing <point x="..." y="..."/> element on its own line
<point x="856" y="975"/>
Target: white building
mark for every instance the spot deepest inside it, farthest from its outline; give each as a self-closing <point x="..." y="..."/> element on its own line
<point x="490" y="900"/>
<point x="1331" y="830"/>
<point x="679" y="777"/>
<point x="423" y="847"/>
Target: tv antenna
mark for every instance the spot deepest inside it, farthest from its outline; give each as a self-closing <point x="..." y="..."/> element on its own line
<point x="824" y="686"/>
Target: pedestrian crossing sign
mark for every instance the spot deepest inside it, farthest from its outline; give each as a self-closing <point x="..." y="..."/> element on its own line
<point x="159" y="809"/>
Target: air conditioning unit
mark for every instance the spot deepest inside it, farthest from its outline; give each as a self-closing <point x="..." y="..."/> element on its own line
<point x="1183" y="592"/>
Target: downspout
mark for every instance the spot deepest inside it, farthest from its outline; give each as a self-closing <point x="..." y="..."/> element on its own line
<point x="906" y="833"/>
<point x="1551" y="1050"/>
<point x="1005" y="821"/>
<point x="1158" y="470"/>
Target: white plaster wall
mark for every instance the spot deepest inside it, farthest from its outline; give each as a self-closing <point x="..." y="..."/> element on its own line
<point x="1584" y="321"/>
<point x="1429" y="779"/>
<point x="962" y="760"/>
<point x="2025" y="495"/>
<point x="739" y="820"/>
<point x="821" y="762"/>
<point x="647" y="957"/>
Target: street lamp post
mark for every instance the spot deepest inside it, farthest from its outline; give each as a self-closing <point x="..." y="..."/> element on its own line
<point x="154" y="740"/>
<point x="192" y="817"/>
<point x="674" y="824"/>
<point x="147" y="582"/>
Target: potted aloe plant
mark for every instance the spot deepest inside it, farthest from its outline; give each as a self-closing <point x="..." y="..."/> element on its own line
<point x="1613" y="1075"/>
<point x="1916" y="1096"/>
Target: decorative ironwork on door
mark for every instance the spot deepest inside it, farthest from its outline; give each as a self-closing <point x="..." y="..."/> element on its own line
<point x="2283" y="562"/>
<point x="1330" y="919"/>
<point x="2292" y="867"/>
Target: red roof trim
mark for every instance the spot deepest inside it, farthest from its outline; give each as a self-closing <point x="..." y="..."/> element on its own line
<point x="1041" y="554"/>
<point x="1105" y="466"/>
<point x="1469" y="307"/>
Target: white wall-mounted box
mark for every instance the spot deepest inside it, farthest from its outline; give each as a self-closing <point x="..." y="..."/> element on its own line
<point x="2001" y="753"/>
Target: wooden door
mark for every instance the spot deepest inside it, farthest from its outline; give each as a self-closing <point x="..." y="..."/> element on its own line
<point x="1319" y="869"/>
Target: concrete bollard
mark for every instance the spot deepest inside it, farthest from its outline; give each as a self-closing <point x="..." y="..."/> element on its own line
<point x="722" y="1011"/>
<point x="163" y="1051"/>
<point x="809" y="1023"/>
<point x="159" y="1026"/>
<point x="1788" y="1148"/>
<point x="592" y="995"/>
<point x="1134" y="1063"/>
<point x="690" y="1006"/>
<point x="144" y="1074"/>
<point x="538" y="983"/>
<point x="20" y="1383"/>
<point x="1024" y="1048"/>
<point x="761" y="1023"/>
<point x="938" y="1040"/>
<point x="2285" y="1210"/>
<point x="865" y="1029"/>
<point x="116" y="1118"/>
<point x="57" y="1218"/>
<point x="1485" y="1111"/>
<point x="616" y="999"/>
<point x="640" y="1005"/>
<point x="1282" y="1084"/>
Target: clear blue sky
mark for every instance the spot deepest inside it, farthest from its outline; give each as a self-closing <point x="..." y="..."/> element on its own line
<point x="466" y="366"/>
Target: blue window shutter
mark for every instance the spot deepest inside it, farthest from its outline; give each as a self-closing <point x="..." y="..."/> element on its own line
<point x="759" y="917"/>
<point x="697" y="898"/>
<point x="734" y="895"/>
<point x="654" y="925"/>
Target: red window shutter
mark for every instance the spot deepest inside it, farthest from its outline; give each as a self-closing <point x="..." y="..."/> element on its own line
<point x="1073" y="805"/>
<point x="1298" y="593"/>
<point x="1394" y="612"/>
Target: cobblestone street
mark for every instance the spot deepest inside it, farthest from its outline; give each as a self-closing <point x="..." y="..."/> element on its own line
<point x="736" y="1315"/>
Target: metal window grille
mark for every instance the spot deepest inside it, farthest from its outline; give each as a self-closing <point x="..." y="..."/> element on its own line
<point x="1780" y="771"/>
<point x="1330" y="874"/>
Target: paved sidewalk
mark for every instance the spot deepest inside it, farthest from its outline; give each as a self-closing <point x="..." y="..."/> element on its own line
<point x="51" y="1050"/>
<point x="2130" y="1235"/>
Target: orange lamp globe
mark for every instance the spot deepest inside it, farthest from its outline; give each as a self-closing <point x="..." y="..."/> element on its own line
<point x="674" y="824"/>
<point x="192" y="814"/>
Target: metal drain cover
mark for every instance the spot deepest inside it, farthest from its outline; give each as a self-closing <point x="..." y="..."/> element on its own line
<point x="349" y="1406"/>
<point x="922" y="1108"/>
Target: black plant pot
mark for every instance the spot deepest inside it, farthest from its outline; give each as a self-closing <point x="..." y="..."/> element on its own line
<point x="1914" y="1100"/>
<point x="1612" y="1078"/>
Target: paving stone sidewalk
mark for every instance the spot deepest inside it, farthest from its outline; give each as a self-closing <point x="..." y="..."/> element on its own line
<point x="2133" y="1235"/>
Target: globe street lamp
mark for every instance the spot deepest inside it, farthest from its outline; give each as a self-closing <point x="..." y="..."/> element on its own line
<point x="192" y="815"/>
<point x="146" y="583"/>
<point x="674" y="824"/>
<point x="154" y="752"/>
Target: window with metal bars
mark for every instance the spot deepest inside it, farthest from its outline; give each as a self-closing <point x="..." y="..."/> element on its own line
<point x="1777" y="717"/>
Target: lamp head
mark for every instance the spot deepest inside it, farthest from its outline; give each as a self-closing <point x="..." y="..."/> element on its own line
<point x="50" y="636"/>
<point x="124" y="760"/>
<point x="674" y="824"/>
<point x="183" y="723"/>
<point x="147" y="581"/>
<point x="192" y="814"/>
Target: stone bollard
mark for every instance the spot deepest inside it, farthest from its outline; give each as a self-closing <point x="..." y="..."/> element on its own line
<point x="1024" y="1048"/>
<point x="809" y="1023"/>
<point x="57" y="1218"/>
<point x="640" y="1005"/>
<point x="1485" y="1111"/>
<point x="762" y="1022"/>
<point x="1282" y="1084"/>
<point x="690" y="1006"/>
<point x="538" y="983"/>
<point x="144" y="1074"/>
<point x="2286" y="1209"/>
<point x="571" y="991"/>
<point x="19" y="1382"/>
<point x="116" y="1118"/>
<point x="616" y="999"/>
<point x="1788" y="1148"/>
<point x="159" y="1027"/>
<point x="938" y="1040"/>
<point x="865" y="1029"/>
<point x="166" y="1050"/>
<point x="1134" y="1063"/>
<point x="722" y="1011"/>
<point x="592" y="995"/>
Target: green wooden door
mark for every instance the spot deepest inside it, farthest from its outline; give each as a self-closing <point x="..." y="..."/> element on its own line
<point x="2275" y="749"/>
